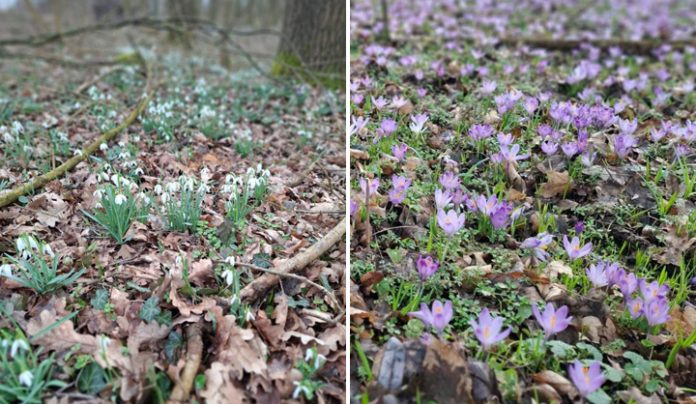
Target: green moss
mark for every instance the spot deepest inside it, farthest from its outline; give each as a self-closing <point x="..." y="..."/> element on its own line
<point x="289" y="65"/>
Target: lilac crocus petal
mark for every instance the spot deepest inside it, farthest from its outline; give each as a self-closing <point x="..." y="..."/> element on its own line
<point x="549" y="148"/>
<point x="551" y="320"/>
<point x="396" y="196"/>
<point x="388" y="126"/>
<point x="574" y="249"/>
<point x="597" y="275"/>
<point x="380" y="102"/>
<point x="418" y="122"/>
<point x="628" y="284"/>
<point x="623" y="144"/>
<point x="450" y="222"/>
<point x="501" y="216"/>
<point x="587" y="379"/>
<point x="399" y="151"/>
<point x="656" y="311"/>
<point x="374" y="185"/>
<point x="427" y="266"/>
<point x="652" y="290"/>
<point x="442" y="315"/>
<point x="442" y="198"/>
<point x="353" y="208"/>
<point x="399" y="182"/>
<point x="479" y="132"/>
<point x="635" y="307"/>
<point x="488" y="329"/>
<point x="449" y="180"/>
<point x="423" y="315"/>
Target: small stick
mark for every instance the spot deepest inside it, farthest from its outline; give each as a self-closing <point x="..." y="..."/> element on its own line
<point x="194" y="354"/>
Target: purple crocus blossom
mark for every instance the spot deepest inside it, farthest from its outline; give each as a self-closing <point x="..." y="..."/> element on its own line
<point x="379" y="102"/>
<point x="388" y="126"/>
<point x="652" y="290"/>
<point x="500" y="217"/>
<point x="357" y="124"/>
<point x="587" y="379"/>
<point x="597" y="275"/>
<point x="628" y="284"/>
<point x="549" y="148"/>
<point x="400" y="186"/>
<point x="442" y="198"/>
<point x="427" y="266"/>
<point x="570" y="149"/>
<point x="538" y="244"/>
<point x="656" y="311"/>
<point x="450" y="222"/>
<point x="623" y="144"/>
<point x="479" y="132"/>
<point x="449" y="180"/>
<point x="437" y="318"/>
<point x="551" y="320"/>
<point x="374" y="185"/>
<point x="418" y="122"/>
<point x="353" y="208"/>
<point x="488" y="329"/>
<point x="399" y="182"/>
<point x="509" y="155"/>
<point x="399" y="151"/>
<point x="488" y="87"/>
<point x="635" y="307"/>
<point x="574" y="249"/>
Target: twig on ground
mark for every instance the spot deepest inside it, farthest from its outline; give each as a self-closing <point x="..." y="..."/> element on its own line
<point x="194" y="355"/>
<point x="261" y="284"/>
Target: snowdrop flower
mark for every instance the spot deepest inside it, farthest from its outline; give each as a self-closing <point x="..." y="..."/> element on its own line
<point x="26" y="378"/>
<point x="77" y="152"/>
<point x="47" y="250"/>
<point x="103" y="147"/>
<point x="301" y="388"/>
<point x="17" y="345"/>
<point x="119" y="199"/>
<point x="6" y="270"/>
<point x="230" y="260"/>
<point x="228" y="276"/>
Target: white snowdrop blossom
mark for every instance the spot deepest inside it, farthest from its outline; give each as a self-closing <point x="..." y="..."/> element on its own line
<point x="120" y="199"/>
<point x="6" y="270"/>
<point x="231" y="260"/>
<point x="228" y="276"/>
<point x="17" y="345"/>
<point x="26" y="378"/>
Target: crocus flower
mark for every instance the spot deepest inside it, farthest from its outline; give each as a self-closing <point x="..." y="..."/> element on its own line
<point x="635" y="307"/>
<point x="396" y="196"/>
<point x="570" y="149"/>
<point x="551" y="320"/>
<point x="500" y="217"/>
<point x="488" y="329"/>
<point x="623" y="144"/>
<point x="418" y="122"/>
<point x="449" y="180"/>
<point x="549" y="148"/>
<point x="509" y="155"/>
<point x="450" y="222"/>
<point x="574" y="249"/>
<point x="656" y="311"/>
<point x="587" y="379"/>
<point x="437" y="318"/>
<point x="488" y="87"/>
<point x="628" y="284"/>
<point x="380" y="102"/>
<point x="538" y="244"/>
<point x="442" y="198"/>
<point x="427" y="266"/>
<point x="478" y="132"/>
<point x="388" y="126"/>
<point x="597" y="275"/>
<point x="399" y="182"/>
<point x="652" y="290"/>
<point x="399" y="151"/>
<point x="374" y="185"/>
<point x="353" y="208"/>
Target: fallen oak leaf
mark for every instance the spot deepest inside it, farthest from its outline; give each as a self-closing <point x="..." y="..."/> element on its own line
<point x="557" y="183"/>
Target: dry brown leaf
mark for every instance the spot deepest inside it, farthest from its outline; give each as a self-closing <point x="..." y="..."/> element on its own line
<point x="219" y="386"/>
<point x="557" y="183"/>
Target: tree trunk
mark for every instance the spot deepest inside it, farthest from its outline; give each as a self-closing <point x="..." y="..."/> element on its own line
<point x="313" y="43"/>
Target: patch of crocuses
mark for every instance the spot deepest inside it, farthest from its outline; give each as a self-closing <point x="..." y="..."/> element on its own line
<point x="539" y="195"/>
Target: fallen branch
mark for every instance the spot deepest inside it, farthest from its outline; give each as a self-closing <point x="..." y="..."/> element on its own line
<point x="38" y="182"/>
<point x="194" y="355"/>
<point x="260" y="285"/>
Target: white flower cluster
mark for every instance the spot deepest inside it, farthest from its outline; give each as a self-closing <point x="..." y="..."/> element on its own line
<point x="8" y="134"/>
<point x="27" y="244"/>
<point x="123" y="185"/>
<point x="242" y="133"/>
<point x="236" y="185"/>
<point x="96" y="95"/>
<point x="171" y="189"/>
<point x="16" y="347"/>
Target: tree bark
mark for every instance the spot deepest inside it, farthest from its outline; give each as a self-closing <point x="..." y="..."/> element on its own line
<point x="313" y="39"/>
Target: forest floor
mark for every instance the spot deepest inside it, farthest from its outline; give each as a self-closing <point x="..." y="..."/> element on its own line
<point x="523" y="222"/>
<point x="139" y="274"/>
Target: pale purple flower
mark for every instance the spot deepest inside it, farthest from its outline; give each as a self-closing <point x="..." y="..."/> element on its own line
<point x="597" y="274"/>
<point x="449" y="180"/>
<point x="505" y="139"/>
<point x="418" y="122"/>
<point x="488" y="329"/>
<point x="623" y="144"/>
<point x="635" y="307"/>
<point x="587" y="379"/>
<point x="388" y="126"/>
<point x="399" y="182"/>
<point x="380" y="102"/>
<point x="421" y="92"/>
<point x="570" y="149"/>
<point x="530" y="105"/>
<point x="353" y="208"/>
<point x="450" y="222"/>
<point x="627" y="127"/>
<point x="544" y="130"/>
<point x="396" y="196"/>
<point x="437" y="318"/>
<point x="427" y="266"/>
<point x="628" y="284"/>
<point x="357" y="98"/>
<point x="488" y="87"/>
<point x="510" y="155"/>
<point x="357" y="124"/>
<point x="574" y="249"/>
<point x="551" y="320"/>
<point x="442" y="198"/>
<point x="652" y="290"/>
<point x="500" y="217"/>
<point x="549" y="148"/>
<point x="478" y="132"/>
<point x="398" y="102"/>
<point x="399" y="151"/>
<point x="538" y="244"/>
<point x="486" y="205"/>
<point x="374" y="185"/>
<point x="656" y="311"/>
